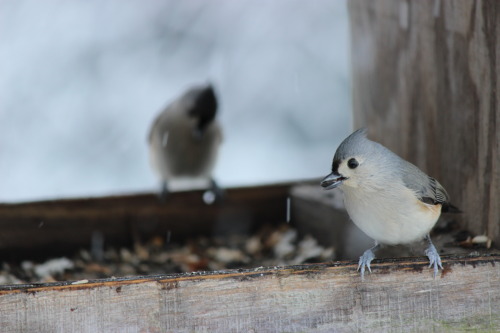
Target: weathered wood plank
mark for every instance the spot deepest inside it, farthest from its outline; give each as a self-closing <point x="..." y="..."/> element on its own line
<point x="57" y="227"/>
<point x="426" y="84"/>
<point x="399" y="295"/>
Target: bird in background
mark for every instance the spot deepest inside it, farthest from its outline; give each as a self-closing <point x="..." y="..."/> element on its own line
<point x="184" y="139"/>
<point x="388" y="198"/>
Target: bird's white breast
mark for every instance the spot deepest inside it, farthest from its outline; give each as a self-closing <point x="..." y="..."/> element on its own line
<point x="390" y="215"/>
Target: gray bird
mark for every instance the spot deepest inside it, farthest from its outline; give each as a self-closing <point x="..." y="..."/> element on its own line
<point x="185" y="138"/>
<point x="388" y="198"/>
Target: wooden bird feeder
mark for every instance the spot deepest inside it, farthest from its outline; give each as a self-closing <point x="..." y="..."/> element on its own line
<point x="426" y="83"/>
<point x="400" y="294"/>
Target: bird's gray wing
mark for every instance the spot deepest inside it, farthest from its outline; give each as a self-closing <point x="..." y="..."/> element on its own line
<point x="427" y="188"/>
<point x="160" y="124"/>
<point x="439" y="194"/>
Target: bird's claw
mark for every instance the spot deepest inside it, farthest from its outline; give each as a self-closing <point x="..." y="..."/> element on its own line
<point x="364" y="261"/>
<point x="434" y="258"/>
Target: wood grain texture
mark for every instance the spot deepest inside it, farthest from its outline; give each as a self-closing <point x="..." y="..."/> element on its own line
<point x="399" y="295"/>
<point x="426" y="84"/>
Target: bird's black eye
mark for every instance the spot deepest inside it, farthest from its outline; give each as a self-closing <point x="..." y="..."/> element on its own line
<point x="352" y="163"/>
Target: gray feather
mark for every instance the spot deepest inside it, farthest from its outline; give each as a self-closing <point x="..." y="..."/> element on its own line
<point x="427" y="188"/>
<point x="354" y="143"/>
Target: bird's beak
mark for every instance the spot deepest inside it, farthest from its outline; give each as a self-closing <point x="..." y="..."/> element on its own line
<point x="332" y="181"/>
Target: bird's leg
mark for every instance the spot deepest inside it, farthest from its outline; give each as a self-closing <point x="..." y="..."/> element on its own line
<point x="164" y="192"/>
<point x="366" y="259"/>
<point x="219" y="192"/>
<point x="433" y="256"/>
<point x="215" y="193"/>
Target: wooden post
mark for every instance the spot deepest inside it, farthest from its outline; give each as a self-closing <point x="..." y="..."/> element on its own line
<point x="426" y="84"/>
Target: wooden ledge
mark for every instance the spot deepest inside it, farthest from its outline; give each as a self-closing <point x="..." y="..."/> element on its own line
<point x="61" y="227"/>
<point x="399" y="294"/>
<point x="379" y="266"/>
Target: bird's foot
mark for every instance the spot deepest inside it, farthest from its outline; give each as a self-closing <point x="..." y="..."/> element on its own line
<point x="365" y="260"/>
<point x="215" y="194"/>
<point x="164" y="192"/>
<point x="434" y="258"/>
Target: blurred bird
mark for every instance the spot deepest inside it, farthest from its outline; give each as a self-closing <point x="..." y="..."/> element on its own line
<point x="185" y="138"/>
<point x="388" y="198"/>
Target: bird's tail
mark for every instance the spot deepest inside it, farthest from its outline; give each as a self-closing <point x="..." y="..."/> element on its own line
<point x="449" y="208"/>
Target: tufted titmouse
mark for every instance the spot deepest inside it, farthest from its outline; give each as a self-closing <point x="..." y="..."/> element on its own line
<point x="185" y="137"/>
<point x="388" y="198"/>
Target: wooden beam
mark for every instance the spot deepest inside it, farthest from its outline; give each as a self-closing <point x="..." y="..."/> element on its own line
<point x="400" y="295"/>
<point x="58" y="227"/>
